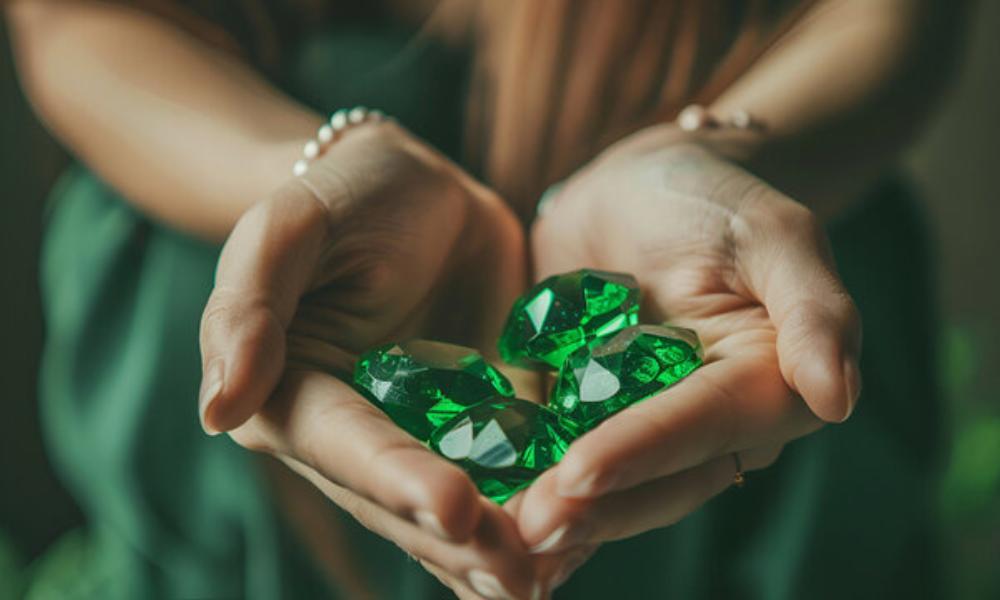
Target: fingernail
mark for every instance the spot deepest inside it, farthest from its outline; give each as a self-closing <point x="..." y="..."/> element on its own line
<point x="852" y="381"/>
<point x="551" y="541"/>
<point x="587" y="486"/>
<point x="432" y="524"/>
<point x="488" y="585"/>
<point x="211" y="387"/>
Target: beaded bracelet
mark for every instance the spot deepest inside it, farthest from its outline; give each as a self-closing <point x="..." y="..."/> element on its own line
<point x="695" y="117"/>
<point x="328" y="133"/>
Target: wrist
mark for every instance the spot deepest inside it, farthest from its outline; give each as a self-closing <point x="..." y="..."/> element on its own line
<point x="272" y="164"/>
<point x="268" y="164"/>
<point x="740" y="145"/>
<point x="274" y="156"/>
<point x="783" y="161"/>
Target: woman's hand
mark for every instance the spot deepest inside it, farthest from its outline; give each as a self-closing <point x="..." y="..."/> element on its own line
<point x="382" y="239"/>
<point x="721" y="252"/>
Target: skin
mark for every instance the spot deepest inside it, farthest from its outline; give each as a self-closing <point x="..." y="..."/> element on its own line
<point x="722" y="252"/>
<point x="374" y="243"/>
<point x="316" y="269"/>
<point x="781" y="344"/>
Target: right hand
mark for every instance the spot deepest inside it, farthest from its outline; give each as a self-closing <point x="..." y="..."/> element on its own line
<point x="382" y="239"/>
<point x="721" y="252"/>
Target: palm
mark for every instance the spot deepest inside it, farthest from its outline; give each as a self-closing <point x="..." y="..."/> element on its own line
<point x="694" y="231"/>
<point x="677" y="246"/>
<point x="437" y="266"/>
<point x="382" y="239"/>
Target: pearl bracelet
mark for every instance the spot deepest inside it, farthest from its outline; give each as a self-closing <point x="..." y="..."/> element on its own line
<point x="695" y="117"/>
<point x="328" y="133"/>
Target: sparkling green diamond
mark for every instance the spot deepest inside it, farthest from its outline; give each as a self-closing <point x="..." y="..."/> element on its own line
<point x="582" y="323"/>
<point x="504" y="444"/>
<point x="567" y="312"/>
<point x="422" y="384"/>
<point x="594" y="383"/>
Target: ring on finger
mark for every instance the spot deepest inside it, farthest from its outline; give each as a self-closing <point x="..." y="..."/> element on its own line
<point x="739" y="478"/>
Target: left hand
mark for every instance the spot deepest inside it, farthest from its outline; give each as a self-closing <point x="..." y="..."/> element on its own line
<point x="382" y="239"/>
<point x="719" y="251"/>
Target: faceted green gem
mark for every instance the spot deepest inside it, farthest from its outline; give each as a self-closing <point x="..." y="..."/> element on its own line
<point x="504" y="444"/>
<point x="640" y="361"/>
<point x="566" y="312"/>
<point x="422" y="384"/>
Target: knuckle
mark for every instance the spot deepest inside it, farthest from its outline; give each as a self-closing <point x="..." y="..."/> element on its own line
<point x="213" y="318"/>
<point x="848" y="313"/>
<point x="453" y="493"/>
<point x="260" y="325"/>
<point x="394" y="461"/>
<point x="580" y="461"/>
<point x="804" y="316"/>
<point x="836" y="312"/>
<point x="847" y="318"/>
<point x="226" y="315"/>
<point x="388" y="458"/>
<point x="220" y="306"/>
<point x="747" y="194"/>
<point x="453" y="484"/>
<point x="800" y="218"/>
<point x="767" y="214"/>
<point x="794" y="217"/>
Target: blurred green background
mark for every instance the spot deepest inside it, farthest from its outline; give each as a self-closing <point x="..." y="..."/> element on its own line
<point x="956" y="164"/>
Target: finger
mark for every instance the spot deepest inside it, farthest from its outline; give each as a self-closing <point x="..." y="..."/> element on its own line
<point x="788" y="265"/>
<point x="551" y="523"/>
<point x="493" y="562"/>
<point x="325" y="424"/>
<point x="462" y="591"/>
<point x="726" y="406"/>
<point x="264" y="268"/>
<point x="554" y="565"/>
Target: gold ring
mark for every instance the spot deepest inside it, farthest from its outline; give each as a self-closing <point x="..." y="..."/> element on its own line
<point x="738" y="479"/>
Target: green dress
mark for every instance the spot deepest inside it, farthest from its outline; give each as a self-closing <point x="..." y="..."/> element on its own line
<point x="173" y="513"/>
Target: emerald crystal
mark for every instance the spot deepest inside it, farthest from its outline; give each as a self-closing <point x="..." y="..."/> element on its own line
<point x="422" y="384"/>
<point x="638" y="362"/>
<point x="567" y="312"/>
<point x="504" y="444"/>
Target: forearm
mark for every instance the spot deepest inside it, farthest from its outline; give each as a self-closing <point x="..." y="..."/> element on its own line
<point x="187" y="133"/>
<point x="841" y="95"/>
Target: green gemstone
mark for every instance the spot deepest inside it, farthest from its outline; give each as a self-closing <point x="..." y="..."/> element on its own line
<point x="504" y="444"/>
<point x="566" y="312"/>
<point x="422" y="384"/>
<point x="635" y="364"/>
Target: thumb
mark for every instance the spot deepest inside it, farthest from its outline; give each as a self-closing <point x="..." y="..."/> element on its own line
<point x="265" y="267"/>
<point x="790" y="268"/>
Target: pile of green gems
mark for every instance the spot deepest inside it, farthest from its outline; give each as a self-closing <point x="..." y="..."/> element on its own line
<point x="582" y="325"/>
